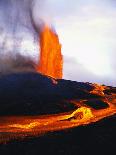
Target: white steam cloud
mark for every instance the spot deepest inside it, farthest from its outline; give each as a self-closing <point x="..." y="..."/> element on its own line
<point x="18" y="38"/>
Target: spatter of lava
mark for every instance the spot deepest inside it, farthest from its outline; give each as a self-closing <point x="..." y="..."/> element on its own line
<point x="30" y="126"/>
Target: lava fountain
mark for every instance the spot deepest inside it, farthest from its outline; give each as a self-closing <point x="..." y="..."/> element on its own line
<point x="51" y="60"/>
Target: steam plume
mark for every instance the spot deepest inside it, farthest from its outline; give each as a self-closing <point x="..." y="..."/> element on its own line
<point x="21" y="22"/>
<point x="16" y="26"/>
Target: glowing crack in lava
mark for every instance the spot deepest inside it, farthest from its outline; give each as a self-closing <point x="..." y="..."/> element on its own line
<point x="51" y="60"/>
<point x="16" y="127"/>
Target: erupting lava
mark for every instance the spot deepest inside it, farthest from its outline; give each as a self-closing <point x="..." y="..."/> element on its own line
<point x="51" y="60"/>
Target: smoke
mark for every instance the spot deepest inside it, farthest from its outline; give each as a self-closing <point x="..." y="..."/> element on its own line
<point x="16" y="64"/>
<point x="18" y="38"/>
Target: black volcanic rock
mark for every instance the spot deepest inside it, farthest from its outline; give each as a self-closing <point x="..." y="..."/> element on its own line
<point x="33" y="93"/>
<point x="94" y="139"/>
<point x="110" y="90"/>
<point x="96" y="104"/>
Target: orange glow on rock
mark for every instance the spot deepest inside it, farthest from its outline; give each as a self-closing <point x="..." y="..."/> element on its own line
<point x="51" y="60"/>
<point x="16" y="127"/>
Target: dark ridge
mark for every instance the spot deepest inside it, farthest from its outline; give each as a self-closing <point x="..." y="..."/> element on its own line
<point x="97" y="104"/>
<point x="30" y="108"/>
<point x="33" y="93"/>
<point x="110" y="90"/>
<point x="86" y="86"/>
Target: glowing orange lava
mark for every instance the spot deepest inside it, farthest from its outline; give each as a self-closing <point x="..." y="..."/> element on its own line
<point x="17" y="127"/>
<point x="51" y="61"/>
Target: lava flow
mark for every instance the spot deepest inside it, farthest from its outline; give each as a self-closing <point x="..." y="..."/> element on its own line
<point x="50" y="64"/>
<point x="51" y="60"/>
<point x="17" y="127"/>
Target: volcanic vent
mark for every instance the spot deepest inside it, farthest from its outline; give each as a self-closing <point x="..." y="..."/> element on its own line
<point x="51" y="60"/>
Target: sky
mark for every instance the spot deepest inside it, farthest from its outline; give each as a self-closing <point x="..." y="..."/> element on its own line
<point x="86" y="30"/>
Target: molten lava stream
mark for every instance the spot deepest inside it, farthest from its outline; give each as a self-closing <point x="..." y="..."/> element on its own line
<point x="51" y="61"/>
<point x="28" y="126"/>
